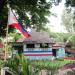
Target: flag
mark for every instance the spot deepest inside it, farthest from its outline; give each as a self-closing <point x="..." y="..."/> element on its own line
<point x="12" y="21"/>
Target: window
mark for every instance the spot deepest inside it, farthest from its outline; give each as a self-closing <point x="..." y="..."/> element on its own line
<point x="30" y="46"/>
<point x="44" y="45"/>
<point x="18" y="47"/>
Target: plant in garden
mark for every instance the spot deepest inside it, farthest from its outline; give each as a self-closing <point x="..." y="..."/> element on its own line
<point x="17" y="65"/>
<point x="72" y="72"/>
<point x="51" y="67"/>
<point x="20" y="66"/>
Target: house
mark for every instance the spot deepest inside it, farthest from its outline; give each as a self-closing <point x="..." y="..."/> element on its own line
<point x="38" y="46"/>
<point x="58" y="50"/>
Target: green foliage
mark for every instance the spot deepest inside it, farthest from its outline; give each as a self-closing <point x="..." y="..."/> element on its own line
<point x="18" y="65"/>
<point x="60" y="59"/>
<point x="68" y="20"/>
<point x="70" y="3"/>
<point x="3" y="21"/>
<point x="72" y="72"/>
<point x="15" y="36"/>
<point x="67" y="38"/>
<point x="50" y="64"/>
<point x="1" y="63"/>
<point x="12" y="65"/>
<point x="71" y="42"/>
<point x="37" y="9"/>
<point x="59" y="37"/>
<point x="52" y="67"/>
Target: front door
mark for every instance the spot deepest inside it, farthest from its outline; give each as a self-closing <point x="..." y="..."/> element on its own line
<point x="54" y="52"/>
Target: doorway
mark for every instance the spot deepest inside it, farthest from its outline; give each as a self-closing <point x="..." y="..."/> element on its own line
<point x="54" y="52"/>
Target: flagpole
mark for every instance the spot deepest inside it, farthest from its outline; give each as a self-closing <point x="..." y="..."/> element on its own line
<point x="6" y="45"/>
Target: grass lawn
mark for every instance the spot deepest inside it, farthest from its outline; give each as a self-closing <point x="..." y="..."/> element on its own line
<point x="51" y="64"/>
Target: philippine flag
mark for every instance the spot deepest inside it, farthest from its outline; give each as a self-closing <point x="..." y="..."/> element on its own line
<point x="12" y="21"/>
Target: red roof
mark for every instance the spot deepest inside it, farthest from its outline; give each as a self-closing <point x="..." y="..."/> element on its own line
<point x="56" y="46"/>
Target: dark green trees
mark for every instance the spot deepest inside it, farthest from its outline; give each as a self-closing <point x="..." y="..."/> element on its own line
<point x="31" y="12"/>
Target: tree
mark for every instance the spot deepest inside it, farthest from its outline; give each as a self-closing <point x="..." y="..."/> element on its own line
<point x="70" y="3"/>
<point x="67" y="20"/>
<point x="37" y="9"/>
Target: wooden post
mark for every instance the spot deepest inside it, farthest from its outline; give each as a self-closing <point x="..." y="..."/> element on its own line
<point x="6" y="45"/>
<point x="2" y="71"/>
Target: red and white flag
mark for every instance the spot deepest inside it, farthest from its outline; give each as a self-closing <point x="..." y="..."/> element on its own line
<point x="12" y="21"/>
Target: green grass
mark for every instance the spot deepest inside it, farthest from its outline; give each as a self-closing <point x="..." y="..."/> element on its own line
<point x="51" y="64"/>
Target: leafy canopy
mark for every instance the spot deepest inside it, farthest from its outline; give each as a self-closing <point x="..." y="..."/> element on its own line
<point x="68" y="20"/>
<point x="31" y="12"/>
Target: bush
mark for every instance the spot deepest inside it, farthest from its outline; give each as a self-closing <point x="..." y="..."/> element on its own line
<point x="60" y="59"/>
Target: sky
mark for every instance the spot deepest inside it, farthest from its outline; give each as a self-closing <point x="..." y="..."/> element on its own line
<point x="55" y="22"/>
